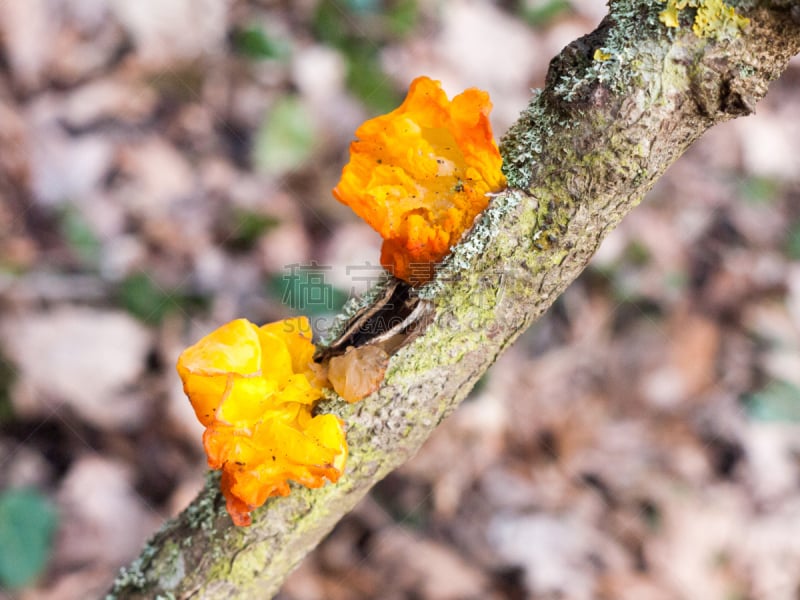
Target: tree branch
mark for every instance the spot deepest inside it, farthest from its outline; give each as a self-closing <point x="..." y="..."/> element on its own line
<point x="583" y="154"/>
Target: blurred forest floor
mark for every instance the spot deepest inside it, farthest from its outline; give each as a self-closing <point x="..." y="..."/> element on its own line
<point x="166" y="167"/>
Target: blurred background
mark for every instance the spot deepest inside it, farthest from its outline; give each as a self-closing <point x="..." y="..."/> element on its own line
<point x="166" y="166"/>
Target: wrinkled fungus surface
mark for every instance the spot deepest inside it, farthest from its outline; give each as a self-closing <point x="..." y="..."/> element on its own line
<point x="420" y="174"/>
<point x="253" y="389"/>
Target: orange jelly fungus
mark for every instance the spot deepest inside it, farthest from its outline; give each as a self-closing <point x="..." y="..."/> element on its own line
<point x="253" y="389"/>
<point x="420" y="174"/>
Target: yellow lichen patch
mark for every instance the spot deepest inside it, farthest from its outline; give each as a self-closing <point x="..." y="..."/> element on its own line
<point x="716" y="19"/>
<point x="669" y="16"/>
<point x="600" y="55"/>
<point x="254" y="390"/>
<point x="713" y="18"/>
<point x="420" y="174"/>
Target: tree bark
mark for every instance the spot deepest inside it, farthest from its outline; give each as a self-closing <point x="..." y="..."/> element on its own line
<point x="582" y="154"/>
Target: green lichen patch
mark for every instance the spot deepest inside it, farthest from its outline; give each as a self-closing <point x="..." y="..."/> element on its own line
<point x="133" y="577"/>
<point x="611" y="56"/>
<point x="170" y="568"/>
<point x="523" y="144"/>
<point x="203" y="512"/>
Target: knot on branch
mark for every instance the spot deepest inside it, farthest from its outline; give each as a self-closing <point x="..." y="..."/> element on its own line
<point x="720" y="91"/>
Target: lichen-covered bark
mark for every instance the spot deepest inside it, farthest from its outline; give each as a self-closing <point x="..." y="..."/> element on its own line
<point x="581" y="156"/>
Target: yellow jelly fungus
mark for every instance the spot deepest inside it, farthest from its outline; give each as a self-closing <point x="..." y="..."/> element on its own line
<point x="358" y="372"/>
<point x="420" y="175"/>
<point x="253" y="389"/>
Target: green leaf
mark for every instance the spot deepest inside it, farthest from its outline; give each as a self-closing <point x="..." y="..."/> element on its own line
<point x="27" y="523"/>
<point x="403" y="17"/>
<point x="255" y="43"/>
<point x="637" y="254"/>
<point x="778" y="401"/>
<point x="758" y="190"/>
<point x="286" y="138"/>
<point x="540" y="13"/>
<point x="144" y="299"/>
<point x="368" y="82"/>
<point x="329" y="24"/>
<point x="244" y="228"/>
<point x="792" y="245"/>
<point x="79" y="236"/>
